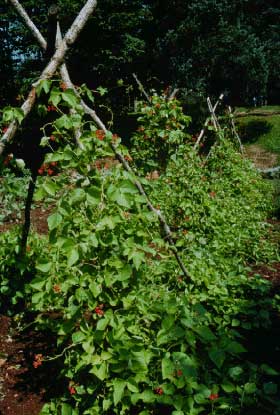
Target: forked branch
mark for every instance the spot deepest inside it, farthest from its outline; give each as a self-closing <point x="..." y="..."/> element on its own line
<point x="52" y="66"/>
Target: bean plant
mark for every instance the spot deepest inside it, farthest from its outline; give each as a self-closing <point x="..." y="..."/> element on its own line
<point x="134" y="334"/>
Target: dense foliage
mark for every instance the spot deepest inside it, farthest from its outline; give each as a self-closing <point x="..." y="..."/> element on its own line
<point x="204" y="46"/>
<point x="134" y="335"/>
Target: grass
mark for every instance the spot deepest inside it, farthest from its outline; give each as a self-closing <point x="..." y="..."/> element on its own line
<point x="264" y="131"/>
<point x="262" y="108"/>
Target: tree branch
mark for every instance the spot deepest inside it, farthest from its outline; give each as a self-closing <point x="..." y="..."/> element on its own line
<point x="202" y="132"/>
<point x="34" y="30"/>
<point x="141" y="87"/>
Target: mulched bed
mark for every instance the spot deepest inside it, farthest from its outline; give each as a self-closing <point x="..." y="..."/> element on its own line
<point x="23" y="388"/>
<point x="269" y="272"/>
<point x="39" y="222"/>
<point x="17" y="395"/>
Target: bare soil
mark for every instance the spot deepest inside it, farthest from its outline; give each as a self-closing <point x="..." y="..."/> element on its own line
<point x="262" y="158"/>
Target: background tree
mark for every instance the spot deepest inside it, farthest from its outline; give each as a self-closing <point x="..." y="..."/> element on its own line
<point x="205" y="46"/>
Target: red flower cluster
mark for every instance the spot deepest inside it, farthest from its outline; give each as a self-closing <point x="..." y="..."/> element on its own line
<point x="51" y="108"/>
<point x="38" y="359"/>
<point x="56" y="288"/>
<point x="63" y="86"/>
<point x="158" y="391"/>
<point x="72" y="389"/>
<point x="213" y="396"/>
<point x="4" y="130"/>
<point x="99" y="310"/>
<point x="49" y="168"/>
<point x="8" y="159"/>
<point x="100" y="134"/>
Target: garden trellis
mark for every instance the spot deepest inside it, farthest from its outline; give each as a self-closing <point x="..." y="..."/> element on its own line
<point x="55" y="62"/>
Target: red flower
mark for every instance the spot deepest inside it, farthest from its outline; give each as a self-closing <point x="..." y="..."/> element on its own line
<point x="52" y="138"/>
<point x="100" y="134"/>
<point x="72" y="390"/>
<point x="4" y="129"/>
<point x="50" y="172"/>
<point x="41" y="171"/>
<point x="53" y="163"/>
<point x="159" y="391"/>
<point x="213" y="396"/>
<point x="63" y="86"/>
<point x="99" y="310"/>
<point x="56" y="288"/>
<point x="179" y="373"/>
<point x="51" y="108"/>
<point x="38" y="360"/>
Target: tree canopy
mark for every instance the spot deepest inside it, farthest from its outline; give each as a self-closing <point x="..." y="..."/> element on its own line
<point x="206" y="46"/>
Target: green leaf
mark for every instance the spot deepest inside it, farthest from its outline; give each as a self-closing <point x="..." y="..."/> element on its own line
<point x="217" y="356"/>
<point x="78" y="337"/>
<point x="44" y="85"/>
<point x="95" y="289"/>
<point x="228" y="387"/>
<point x="139" y="362"/>
<point x="118" y="386"/>
<point x="132" y="385"/>
<point x="70" y="97"/>
<point x="100" y="371"/>
<point x="77" y="196"/>
<point x="50" y="188"/>
<point x="64" y="122"/>
<point x="66" y="409"/>
<point x="148" y="396"/>
<point x="102" y="324"/>
<point x="167" y="368"/>
<point x="205" y="333"/>
<point x="138" y="258"/>
<point x="235" y="347"/>
<point x="270" y="388"/>
<point x="38" y="285"/>
<point x="250" y="388"/>
<point x="93" y="195"/>
<point x="54" y="221"/>
<point x="44" y="266"/>
<point x="268" y="370"/>
<point x="55" y="96"/>
<point x="235" y="372"/>
<point x="72" y="257"/>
